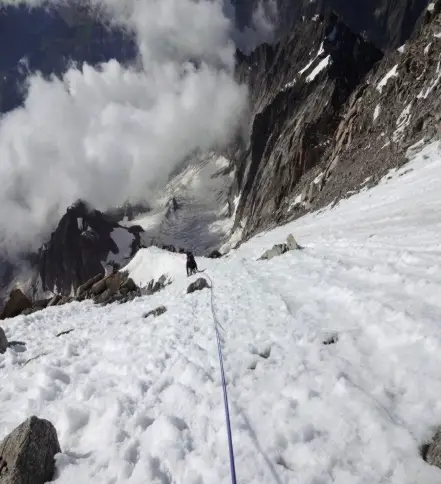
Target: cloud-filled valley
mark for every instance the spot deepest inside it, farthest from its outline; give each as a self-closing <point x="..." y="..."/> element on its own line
<point x="110" y="132"/>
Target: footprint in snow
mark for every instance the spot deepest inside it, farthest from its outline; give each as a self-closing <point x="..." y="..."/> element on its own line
<point x="263" y="351"/>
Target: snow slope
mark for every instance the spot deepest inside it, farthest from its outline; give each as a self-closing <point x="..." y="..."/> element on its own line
<point x="139" y="400"/>
<point x="152" y="263"/>
<point x="203" y="219"/>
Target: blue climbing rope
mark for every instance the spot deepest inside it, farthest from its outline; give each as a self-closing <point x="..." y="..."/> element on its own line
<point x="224" y="387"/>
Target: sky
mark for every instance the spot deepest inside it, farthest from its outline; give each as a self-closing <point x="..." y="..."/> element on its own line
<point x="112" y="132"/>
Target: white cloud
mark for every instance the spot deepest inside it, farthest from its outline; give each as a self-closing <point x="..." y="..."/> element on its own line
<point x="260" y="28"/>
<point x="107" y="133"/>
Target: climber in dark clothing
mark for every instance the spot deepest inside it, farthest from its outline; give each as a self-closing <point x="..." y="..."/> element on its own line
<point x="192" y="267"/>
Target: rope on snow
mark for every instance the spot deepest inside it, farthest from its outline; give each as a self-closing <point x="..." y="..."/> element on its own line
<point x="217" y="325"/>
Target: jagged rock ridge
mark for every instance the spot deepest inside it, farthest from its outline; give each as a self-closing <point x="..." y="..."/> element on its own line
<point x="396" y="107"/>
<point x="297" y="106"/>
<point x="84" y="242"/>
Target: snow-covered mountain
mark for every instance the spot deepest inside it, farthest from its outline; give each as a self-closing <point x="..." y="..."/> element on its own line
<point x="332" y="355"/>
<point x="196" y="210"/>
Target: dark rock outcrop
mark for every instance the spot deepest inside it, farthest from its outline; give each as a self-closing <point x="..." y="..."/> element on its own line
<point x="40" y="304"/>
<point x="169" y="248"/>
<point x="198" y="285"/>
<point x="280" y="249"/>
<point x="432" y="450"/>
<point x="64" y="333"/>
<point x="156" y="312"/>
<point x="83" y="241"/>
<point x="27" y="453"/>
<point x="84" y="288"/>
<point x="54" y="301"/>
<point x="155" y="286"/>
<point x="99" y="286"/>
<point x="128" y="286"/>
<point x="103" y="290"/>
<point x="15" y="305"/>
<point x="105" y="297"/>
<point x="215" y="254"/>
<point x="114" y="288"/>
<point x="3" y="341"/>
<point x="64" y="300"/>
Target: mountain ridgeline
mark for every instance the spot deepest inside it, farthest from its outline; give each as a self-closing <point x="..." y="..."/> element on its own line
<point x="299" y="92"/>
<point x="386" y="23"/>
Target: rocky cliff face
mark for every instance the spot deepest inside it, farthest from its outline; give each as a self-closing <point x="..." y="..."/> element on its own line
<point x="324" y="130"/>
<point x="84" y="244"/>
<point x="299" y="89"/>
<point x="396" y="107"/>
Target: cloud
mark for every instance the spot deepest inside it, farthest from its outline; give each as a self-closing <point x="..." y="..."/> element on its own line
<point x="108" y="133"/>
<point x="259" y="25"/>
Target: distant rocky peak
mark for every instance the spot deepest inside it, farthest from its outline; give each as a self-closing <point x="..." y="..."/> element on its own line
<point x="79" y="208"/>
<point x="352" y="55"/>
<point x="433" y="10"/>
<point x="84" y="243"/>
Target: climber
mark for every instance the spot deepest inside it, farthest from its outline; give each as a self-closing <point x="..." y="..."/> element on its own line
<point x="192" y="267"/>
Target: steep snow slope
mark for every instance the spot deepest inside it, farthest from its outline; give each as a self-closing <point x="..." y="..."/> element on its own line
<point x="202" y="217"/>
<point x="139" y="400"/>
<point x="152" y="263"/>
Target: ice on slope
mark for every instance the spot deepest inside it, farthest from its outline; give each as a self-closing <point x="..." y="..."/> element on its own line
<point x="320" y="51"/>
<point x="140" y="401"/>
<point x="392" y="73"/>
<point x="377" y="112"/>
<point x="321" y="65"/>
<point x="425" y="92"/>
<point x="402" y="122"/>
